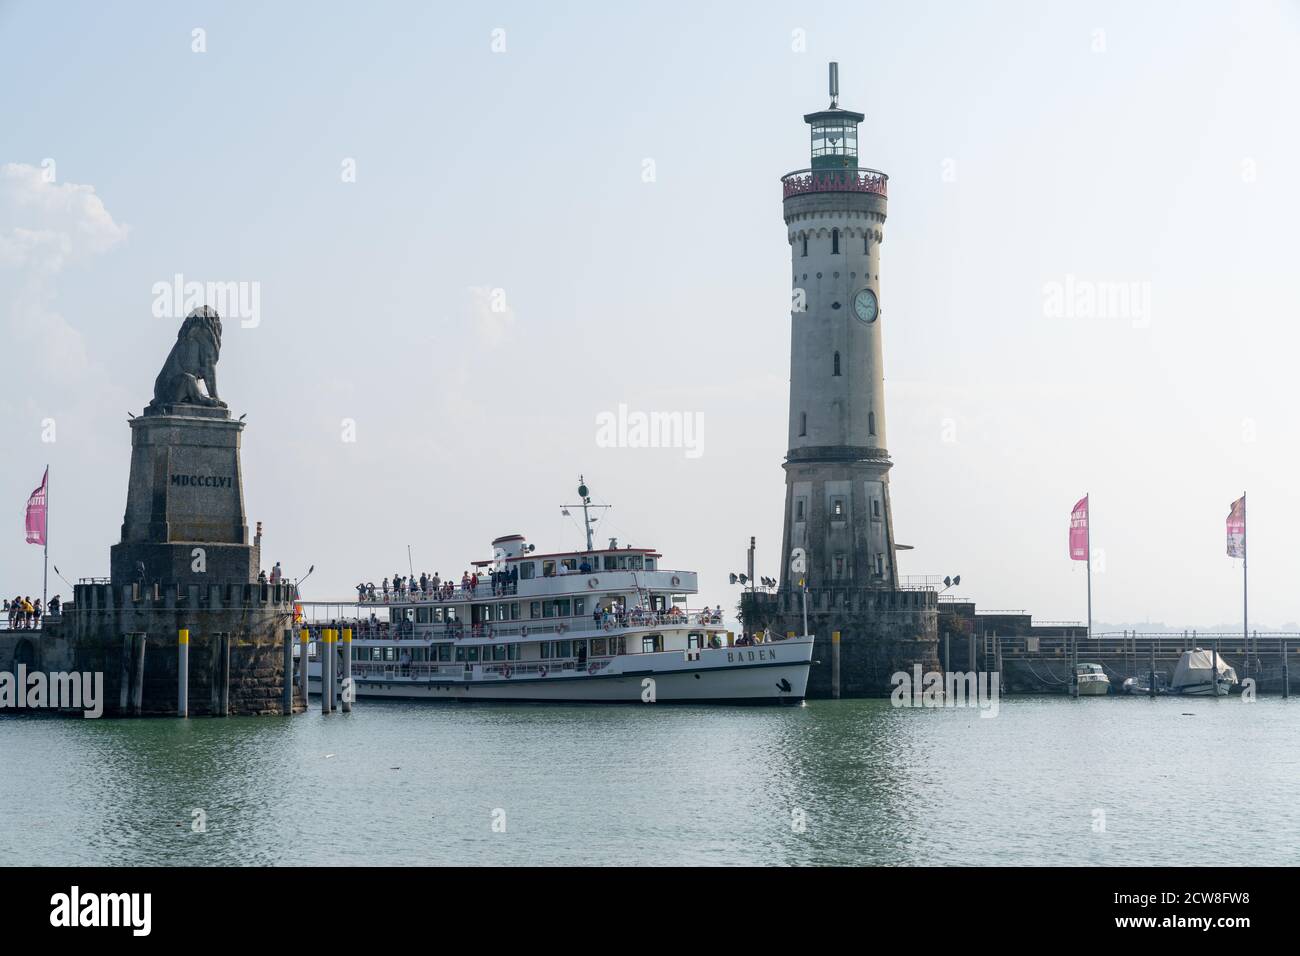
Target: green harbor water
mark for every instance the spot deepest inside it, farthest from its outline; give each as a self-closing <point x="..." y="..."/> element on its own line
<point x="1115" y="781"/>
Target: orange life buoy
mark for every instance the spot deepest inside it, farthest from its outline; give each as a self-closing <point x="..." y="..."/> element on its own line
<point x="676" y="580"/>
<point x="592" y="582"/>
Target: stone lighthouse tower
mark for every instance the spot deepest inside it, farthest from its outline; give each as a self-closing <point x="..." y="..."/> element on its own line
<point x="839" y="580"/>
<point x="837" y="468"/>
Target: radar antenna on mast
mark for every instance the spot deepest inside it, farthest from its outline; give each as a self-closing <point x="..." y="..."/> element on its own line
<point x="584" y="493"/>
<point x="835" y="84"/>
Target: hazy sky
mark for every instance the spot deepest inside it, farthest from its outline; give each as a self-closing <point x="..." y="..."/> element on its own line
<point x="558" y="208"/>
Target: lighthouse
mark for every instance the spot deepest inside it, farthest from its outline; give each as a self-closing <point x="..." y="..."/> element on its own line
<point x="837" y="510"/>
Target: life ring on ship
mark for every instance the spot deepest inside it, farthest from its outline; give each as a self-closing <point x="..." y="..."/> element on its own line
<point x="560" y="628"/>
<point x="506" y="671"/>
<point x="541" y="670"/>
<point x="676" y="580"/>
<point x="592" y="582"/>
<point x="591" y="668"/>
<point x="523" y="632"/>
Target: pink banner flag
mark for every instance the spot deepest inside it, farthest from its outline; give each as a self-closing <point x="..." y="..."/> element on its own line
<point x="1237" y="529"/>
<point x="36" y="512"/>
<point x="1079" y="530"/>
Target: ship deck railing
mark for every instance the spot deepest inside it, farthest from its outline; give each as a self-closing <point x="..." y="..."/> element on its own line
<point x="484" y="591"/>
<point x="545" y="627"/>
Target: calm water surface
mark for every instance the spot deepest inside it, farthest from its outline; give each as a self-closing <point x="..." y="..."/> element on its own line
<point x="1180" y="781"/>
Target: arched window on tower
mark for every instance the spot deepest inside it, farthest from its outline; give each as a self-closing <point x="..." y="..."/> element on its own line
<point x="871" y="423"/>
<point x="805" y="244"/>
<point x="803" y="424"/>
<point x="835" y="242"/>
<point x="866" y="245"/>
<point x="837" y="364"/>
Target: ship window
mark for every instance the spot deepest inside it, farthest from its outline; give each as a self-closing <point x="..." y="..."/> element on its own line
<point x="837" y="364"/>
<point x="544" y="650"/>
<point x="622" y="562"/>
<point x="437" y="615"/>
<point x="563" y="608"/>
<point x="579" y="607"/>
<point x="871" y="423"/>
<point x="599" y="647"/>
<point x="548" y="569"/>
<point x="570" y="564"/>
<point x="652" y="643"/>
<point x="460" y="653"/>
<point x="611" y="562"/>
<point x="421" y="615"/>
<point x="649" y="564"/>
<point x="803" y="423"/>
<point x="444" y="652"/>
<point x="635" y="562"/>
<point x="390" y="653"/>
<point x="548" y="608"/>
<point x="534" y="608"/>
<point x="471" y="654"/>
<point x="451" y="615"/>
<point x="563" y="648"/>
<point x="526" y="569"/>
<point x="514" y="610"/>
<point x="835" y="242"/>
<point x="512" y="652"/>
<point x="805" y="244"/>
<point x="694" y="640"/>
<point x="499" y="652"/>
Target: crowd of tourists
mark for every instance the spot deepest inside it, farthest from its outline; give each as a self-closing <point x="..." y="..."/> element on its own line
<point x="432" y="587"/>
<point x="24" y="614"/>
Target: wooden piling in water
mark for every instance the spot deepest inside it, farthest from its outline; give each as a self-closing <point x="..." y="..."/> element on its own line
<point x="223" y="704"/>
<point x="137" y="685"/>
<point x="124" y="695"/>
<point x="347" y="670"/>
<point x="182" y="673"/>
<point x="324" y="649"/>
<point x="835" y="665"/>
<point x="286" y="700"/>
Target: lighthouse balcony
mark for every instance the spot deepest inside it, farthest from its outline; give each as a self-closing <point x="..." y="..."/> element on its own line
<point x="849" y="180"/>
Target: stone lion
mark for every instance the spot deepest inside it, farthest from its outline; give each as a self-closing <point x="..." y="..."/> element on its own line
<point x="192" y="359"/>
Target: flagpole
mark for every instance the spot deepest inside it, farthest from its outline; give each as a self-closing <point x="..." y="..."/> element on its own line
<point x="1089" y="530"/>
<point x="45" y="578"/>
<point x="1245" y="617"/>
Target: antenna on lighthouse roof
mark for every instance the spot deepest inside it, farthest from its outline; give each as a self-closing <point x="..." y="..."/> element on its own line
<point x="835" y="84"/>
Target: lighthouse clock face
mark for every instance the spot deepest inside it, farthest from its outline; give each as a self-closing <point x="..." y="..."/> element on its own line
<point x="865" y="305"/>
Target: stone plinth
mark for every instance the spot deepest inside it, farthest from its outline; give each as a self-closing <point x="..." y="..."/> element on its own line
<point x="185" y="493"/>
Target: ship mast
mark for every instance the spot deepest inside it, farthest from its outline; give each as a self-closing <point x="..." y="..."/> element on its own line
<point x="584" y="493"/>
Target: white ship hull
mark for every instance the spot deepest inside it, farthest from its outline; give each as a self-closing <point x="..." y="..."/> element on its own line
<point x="773" y="673"/>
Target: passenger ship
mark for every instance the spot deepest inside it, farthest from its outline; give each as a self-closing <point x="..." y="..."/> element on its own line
<point x="590" y="626"/>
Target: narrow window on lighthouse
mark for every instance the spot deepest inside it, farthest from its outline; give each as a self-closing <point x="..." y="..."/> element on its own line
<point x="803" y="423"/>
<point x="805" y="244"/>
<point x="835" y="242"/>
<point x="871" y="423"/>
<point x="866" y="248"/>
<point x="837" y="364"/>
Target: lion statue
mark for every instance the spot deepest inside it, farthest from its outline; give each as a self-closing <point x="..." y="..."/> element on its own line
<point x="192" y="359"/>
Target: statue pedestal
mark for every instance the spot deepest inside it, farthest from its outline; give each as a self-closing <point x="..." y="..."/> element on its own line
<point x="186" y="492"/>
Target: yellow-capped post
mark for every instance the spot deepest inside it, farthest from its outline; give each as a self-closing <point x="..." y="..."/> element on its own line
<point x="183" y="673"/>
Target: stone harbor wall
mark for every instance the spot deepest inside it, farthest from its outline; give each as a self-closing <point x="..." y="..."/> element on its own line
<point x="881" y="632"/>
<point x="101" y="631"/>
